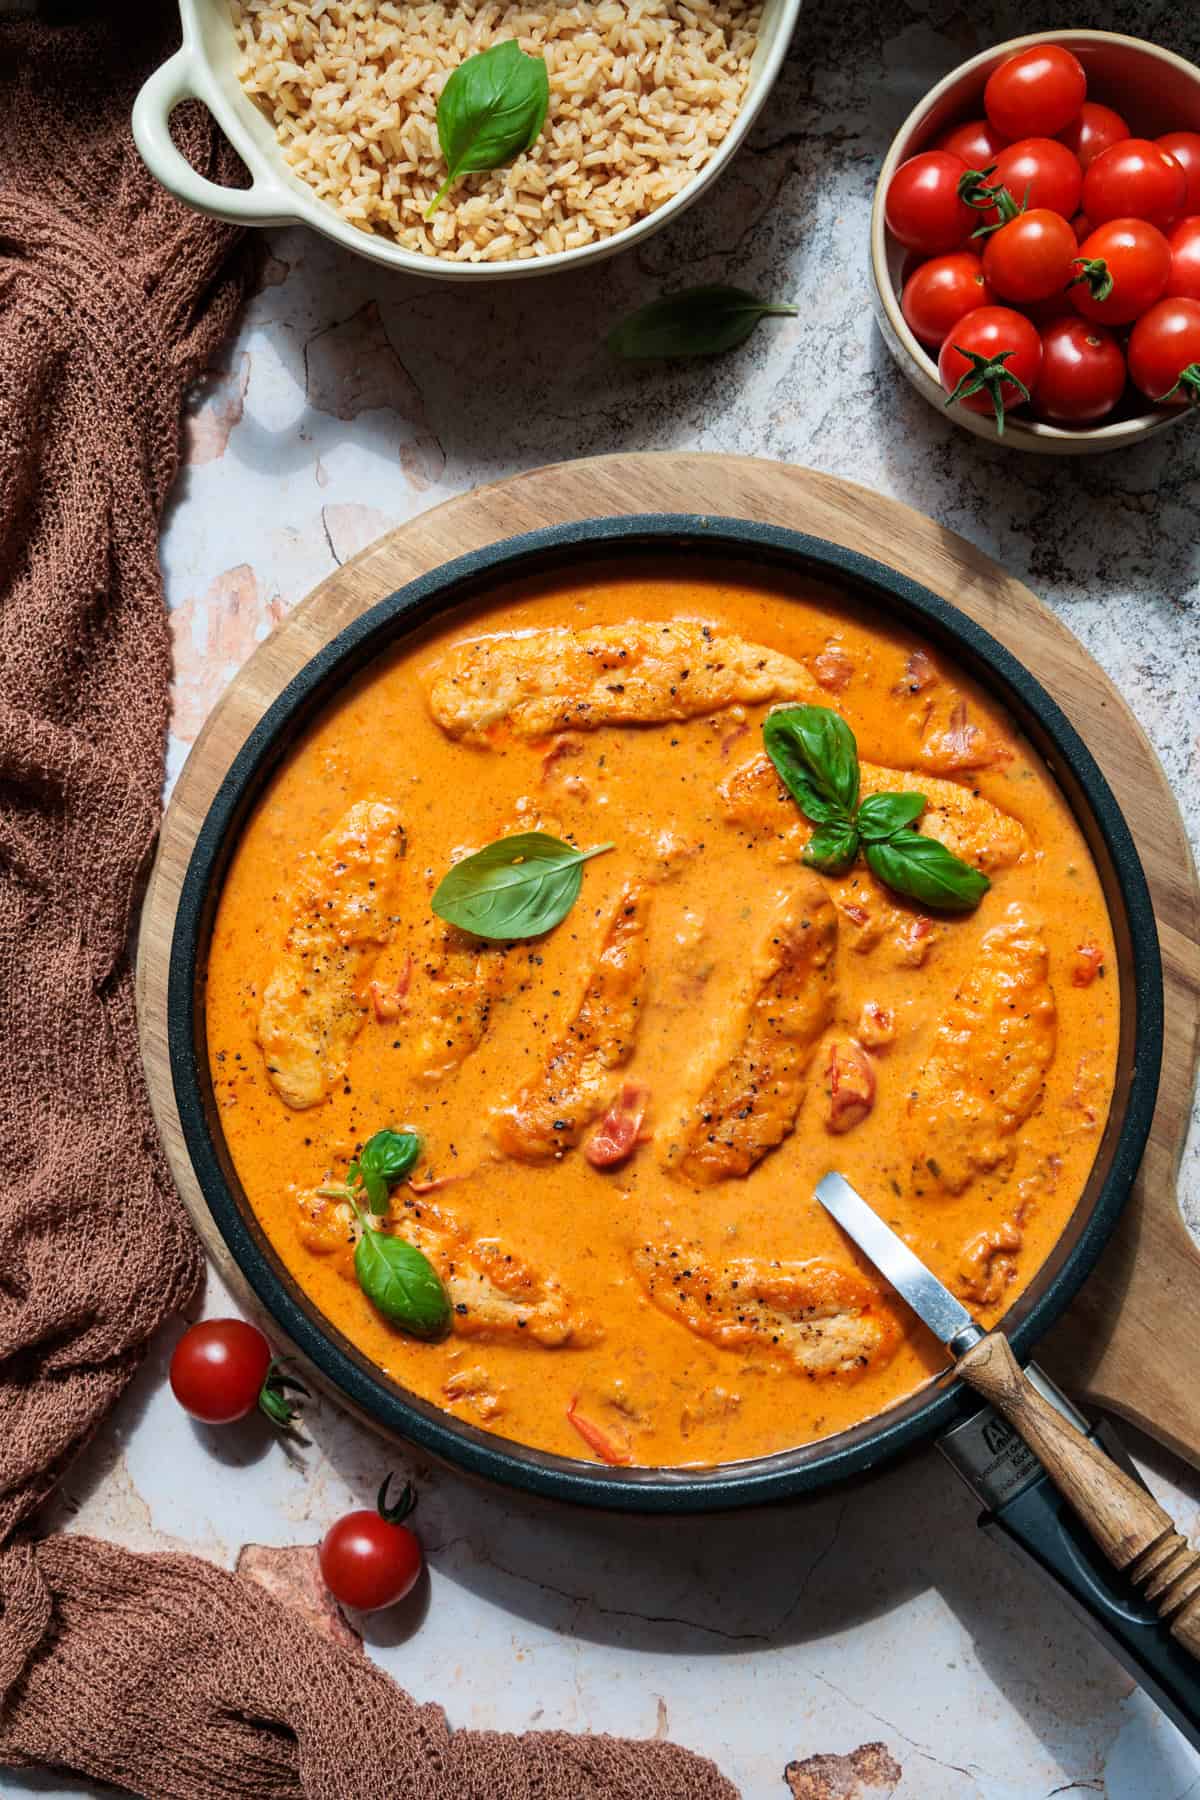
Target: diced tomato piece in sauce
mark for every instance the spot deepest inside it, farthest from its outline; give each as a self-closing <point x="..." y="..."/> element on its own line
<point x="851" y="1077"/>
<point x="606" y="1446"/>
<point x="876" y="1025"/>
<point x="1089" y="962"/>
<point x="833" y="668"/>
<point x="616" y="1136"/>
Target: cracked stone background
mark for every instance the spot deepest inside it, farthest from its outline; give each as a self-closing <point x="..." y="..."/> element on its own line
<point x="871" y="1639"/>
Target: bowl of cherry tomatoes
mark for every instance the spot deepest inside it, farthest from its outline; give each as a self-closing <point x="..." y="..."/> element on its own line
<point x="1035" y="242"/>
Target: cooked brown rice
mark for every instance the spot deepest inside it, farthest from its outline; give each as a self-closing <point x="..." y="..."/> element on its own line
<point x="641" y="95"/>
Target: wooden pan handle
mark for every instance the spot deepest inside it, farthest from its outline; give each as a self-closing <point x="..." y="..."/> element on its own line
<point x="1128" y="1523"/>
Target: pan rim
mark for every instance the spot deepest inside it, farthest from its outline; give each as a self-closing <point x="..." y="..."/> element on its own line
<point x="783" y="1474"/>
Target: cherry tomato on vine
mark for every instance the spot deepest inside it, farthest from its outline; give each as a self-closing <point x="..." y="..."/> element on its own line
<point x="977" y="143"/>
<point x="1184" y="146"/>
<point x="1122" y="269"/>
<point x="1039" y="171"/>
<point x="1082" y="374"/>
<point x="990" y="361"/>
<point x="1037" y="93"/>
<point x="1031" y="257"/>
<point x="370" y="1559"/>
<point x="1164" y="353"/>
<point x="222" y="1369"/>
<point x="1096" y="129"/>
<point x="1183" y="283"/>
<point x="942" y="291"/>
<point x="1135" y="180"/>
<point x="924" y="210"/>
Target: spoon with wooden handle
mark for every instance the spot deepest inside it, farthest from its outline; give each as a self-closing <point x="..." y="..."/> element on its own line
<point x="1130" y="1527"/>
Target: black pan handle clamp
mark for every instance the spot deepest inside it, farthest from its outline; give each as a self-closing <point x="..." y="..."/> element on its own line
<point x="1025" y="1512"/>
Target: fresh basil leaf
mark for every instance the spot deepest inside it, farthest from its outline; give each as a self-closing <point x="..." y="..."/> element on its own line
<point x="701" y="321"/>
<point x="926" y="871"/>
<point x="832" y="849"/>
<point x="883" y="815"/>
<point x="816" y="759"/>
<point x="391" y="1153"/>
<point x="493" y="107"/>
<point x="518" y="887"/>
<point x="402" y="1284"/>
<point x="375" y="1188"/>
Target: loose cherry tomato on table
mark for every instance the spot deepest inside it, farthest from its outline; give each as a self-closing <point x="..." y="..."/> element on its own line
<point x="977" y="143"/>
<point x="990" y="361"/>
<point x="924" y="209"/>
<point x="1184" y="146"/>
<point x="371" y="1559"/>
<point x="1096" y="129"/>
<point x="1164" y="353"/>
<point x="1031" y="257"/>
<point x="1135" y="180"/>
<point x="1082" y="374"/>
<point x="1039" y="171"/>
<point x="1121" y="269"/>
<point x="1183" y="283"/>
<point x="941" y="292"/>
<point x="222" y="1369"/>
<point x="1037" y="93"/>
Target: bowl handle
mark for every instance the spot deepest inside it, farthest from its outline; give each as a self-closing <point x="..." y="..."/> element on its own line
<point x="263" y="203"/>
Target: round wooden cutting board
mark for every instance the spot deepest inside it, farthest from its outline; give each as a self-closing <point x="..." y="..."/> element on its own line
<point x="1131" y="1341"/>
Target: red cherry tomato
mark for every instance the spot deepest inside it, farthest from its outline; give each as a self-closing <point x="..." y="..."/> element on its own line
<point x="1039" y="171"/>
<point x="1183" y="283"/>
<point x="1030" y="258"/>
<point x="924" y="210"/>
<point x="1123" y="268"/>
<point x="982" y="356"/>
<point x="218" y="1370"/>
<point x="1096" y="129"/>
<point x="1082" y="375"/>
<point x="1164" y="352"/>
<point x="1184" y="146"/>
<point x="1037" y="93"/>
<point x="369" y="1559"/>
<point x="941" y="292"/>
<point x="977" y="143"/>
<point x="1135" y="180"/>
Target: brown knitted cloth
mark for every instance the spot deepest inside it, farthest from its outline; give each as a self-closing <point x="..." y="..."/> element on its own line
<point x="161" y="1674"/>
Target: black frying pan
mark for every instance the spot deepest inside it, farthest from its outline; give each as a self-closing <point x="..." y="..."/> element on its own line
<point x="680" y="540"/>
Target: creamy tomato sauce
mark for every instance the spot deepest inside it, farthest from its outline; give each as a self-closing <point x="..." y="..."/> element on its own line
<point x="639" y="1372"/>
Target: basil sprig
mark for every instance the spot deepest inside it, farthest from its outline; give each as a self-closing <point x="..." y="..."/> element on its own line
<point x="493" y="107"/>
<point x="383" y="1160"/>
<point x="816" y="758"/>
<point x="400" y="1282"/>
<point x="517" y="887"/>
<point x="701" y="321"/>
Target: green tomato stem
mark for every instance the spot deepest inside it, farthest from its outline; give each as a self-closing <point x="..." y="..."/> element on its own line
<point x="990" y="373"/>
<point x="1095" y="271"/>
<point x="1189" y="380"/>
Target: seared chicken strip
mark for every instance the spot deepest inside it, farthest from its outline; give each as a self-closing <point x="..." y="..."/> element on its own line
<point x="464" y="977"/>
<point x="339" y="915"/>
<point x="822" y="1317"/>
<point x="494" y="1294"/>
<point x="550" y="1113"/>
<point x="749" y="1104"/>
<point x="754" y="798"/>
<point x="645" y="672"/>
<point x="987" y="1064"/>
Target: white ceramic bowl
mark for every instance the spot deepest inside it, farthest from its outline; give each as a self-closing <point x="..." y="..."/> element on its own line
<point x="1153" y="89"/>
<point x="204" y="69"/>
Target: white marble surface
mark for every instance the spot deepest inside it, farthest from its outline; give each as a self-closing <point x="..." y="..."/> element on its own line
<point x="350" y="401"/>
